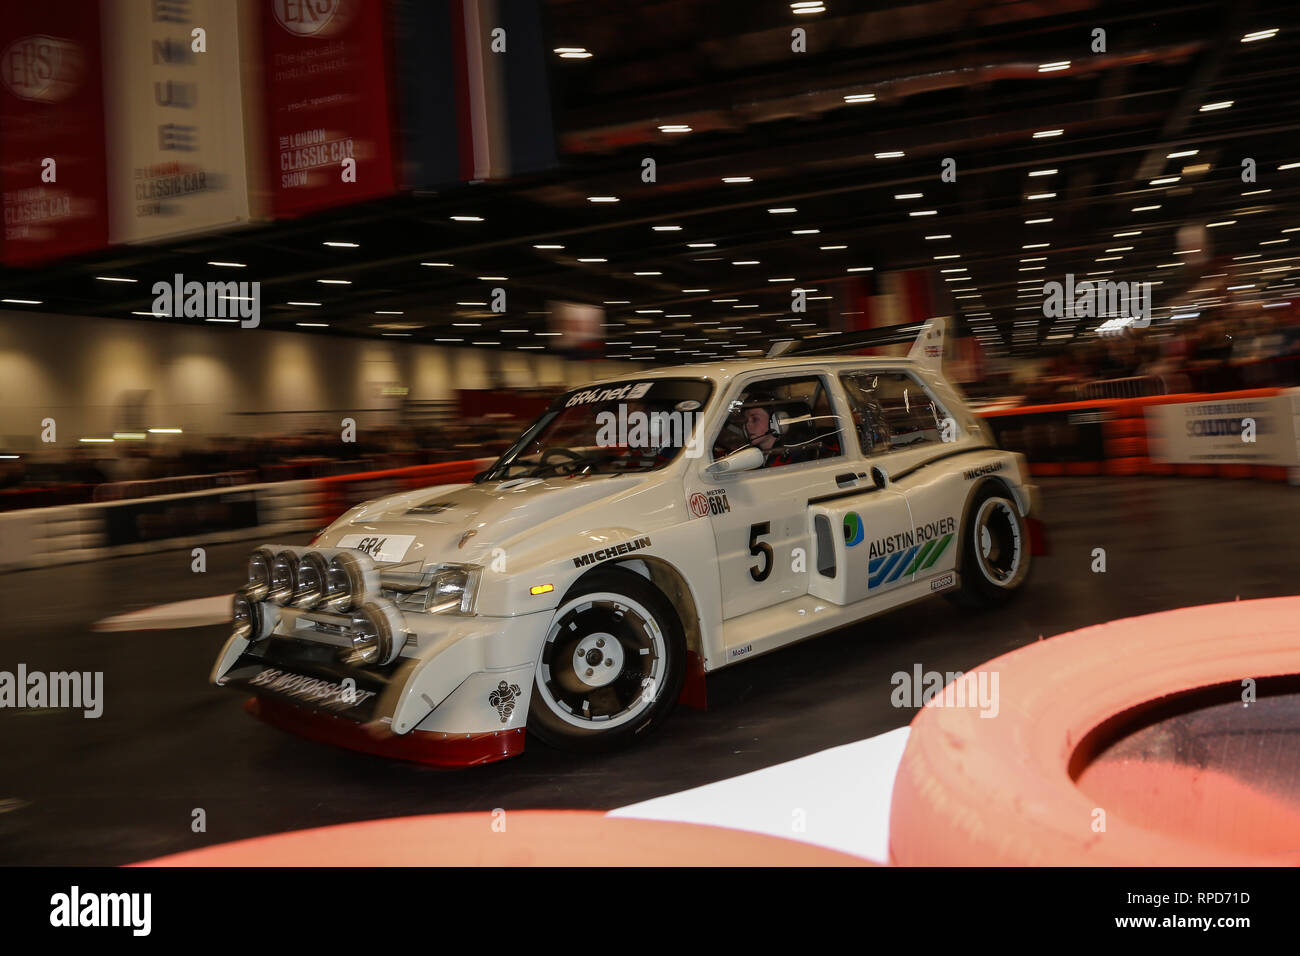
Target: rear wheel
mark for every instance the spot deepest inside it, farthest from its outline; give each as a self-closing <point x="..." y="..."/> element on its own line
<point x="995" y="550"/>
<point x="612" y="666"/>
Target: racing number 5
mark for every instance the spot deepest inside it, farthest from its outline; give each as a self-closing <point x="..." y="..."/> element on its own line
<point x="760" y="547"/>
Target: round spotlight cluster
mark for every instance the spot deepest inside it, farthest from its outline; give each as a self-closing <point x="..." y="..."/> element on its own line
<point x="259" y="574"/>
<point x="251" y="620"/>
<point x="350" y="578"/>
<point x="311" y="574"/>
<point x="377" y="634"/>
<point x="243" y="616"/>
<point x="284" y="577"/>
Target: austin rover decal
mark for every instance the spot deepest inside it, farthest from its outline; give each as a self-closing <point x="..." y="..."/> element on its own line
<point x="504" y="699"/>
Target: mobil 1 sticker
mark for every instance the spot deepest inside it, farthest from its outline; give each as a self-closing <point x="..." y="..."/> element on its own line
<point x="381" y="547"/>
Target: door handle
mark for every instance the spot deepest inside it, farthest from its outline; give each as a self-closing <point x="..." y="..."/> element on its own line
<point x="847" y="478"/>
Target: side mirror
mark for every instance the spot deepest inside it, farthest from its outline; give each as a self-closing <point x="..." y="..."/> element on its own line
<point x="879" y="477"/>
<point x="746" y="459"/>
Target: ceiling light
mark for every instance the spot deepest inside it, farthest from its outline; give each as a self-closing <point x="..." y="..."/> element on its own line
<point x="892" y="154"/>
<point x="1045" y="133"/>
<point x="860" y="98"/>
<point x="1222" y="105"/>
<point x="602" y="199"/>
<point x="341" y="245"/>
<point x="230" y="265"/>
<point x="737" y="179"/>
<point x="115" y="279"/>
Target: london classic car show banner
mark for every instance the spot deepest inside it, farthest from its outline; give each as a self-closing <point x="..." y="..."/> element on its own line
<point x="327" y="103"/>
<point x="51" y="132"/>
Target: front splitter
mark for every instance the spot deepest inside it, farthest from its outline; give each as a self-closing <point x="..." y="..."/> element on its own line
<point x="418" y="746"/>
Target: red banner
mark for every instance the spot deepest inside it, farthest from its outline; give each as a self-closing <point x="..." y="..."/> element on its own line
<point x="52" y="186"/>
<point x="327" y="101"/>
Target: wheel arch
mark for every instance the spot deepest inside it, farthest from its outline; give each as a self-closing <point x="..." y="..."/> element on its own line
<point x="1000" y="485"/>
<point x="669" y="581"/>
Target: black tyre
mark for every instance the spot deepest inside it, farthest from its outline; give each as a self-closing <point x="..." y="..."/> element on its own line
<point x="995" y="558"/>
<point x="612" y="666"/>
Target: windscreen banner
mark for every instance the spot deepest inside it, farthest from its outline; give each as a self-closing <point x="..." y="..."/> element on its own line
<point x="52" y="181"/>
<point x="175" y="118"/>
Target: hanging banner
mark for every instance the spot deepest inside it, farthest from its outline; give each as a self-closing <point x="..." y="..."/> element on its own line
<point x="175" y="118"/>
<point x="475" y="96"/>
<point x="51" y="132"/>
<point x="327" y="103"/>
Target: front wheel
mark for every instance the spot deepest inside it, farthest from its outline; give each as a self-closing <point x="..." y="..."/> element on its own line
<point x="995" y="551"/>
<point x="612" y="666"/>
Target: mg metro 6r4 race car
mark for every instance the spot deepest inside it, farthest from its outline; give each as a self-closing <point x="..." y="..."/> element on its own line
<point x="642" y="533"/>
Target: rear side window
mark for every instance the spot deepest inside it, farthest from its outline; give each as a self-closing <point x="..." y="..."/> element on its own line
<point x="891" y="410"/>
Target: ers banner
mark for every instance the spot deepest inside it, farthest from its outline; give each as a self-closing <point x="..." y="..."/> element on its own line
<point x="51" y="131"/>
<point x="327" y="103"/>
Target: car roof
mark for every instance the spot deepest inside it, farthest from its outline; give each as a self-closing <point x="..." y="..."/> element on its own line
<point x="722" y="372"/>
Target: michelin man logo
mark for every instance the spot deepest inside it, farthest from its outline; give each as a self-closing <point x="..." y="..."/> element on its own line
<point x="504" y="699"/>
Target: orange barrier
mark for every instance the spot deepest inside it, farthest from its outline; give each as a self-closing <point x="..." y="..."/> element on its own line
<point x="1124" y="431"/>
<point x="1027" y="787"/>
<point x="341" y="492"/>
<point x="514" y="838"/>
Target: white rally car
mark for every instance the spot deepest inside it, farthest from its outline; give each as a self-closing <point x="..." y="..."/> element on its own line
<point x="640" y="534"/>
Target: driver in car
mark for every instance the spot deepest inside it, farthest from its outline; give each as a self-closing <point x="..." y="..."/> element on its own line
<point x="758" y="422"/>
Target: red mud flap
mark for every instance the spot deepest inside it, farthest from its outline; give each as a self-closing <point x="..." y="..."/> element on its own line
<point x="418" y="746"/>
<point x="695" y="692"/>
<point x="1037" y="537"/>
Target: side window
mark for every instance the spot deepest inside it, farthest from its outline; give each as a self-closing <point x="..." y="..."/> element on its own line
<point x="790" y="419"/>
<point x="891" y="410"/>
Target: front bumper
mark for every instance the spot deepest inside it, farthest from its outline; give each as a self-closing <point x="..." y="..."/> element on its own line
<point x="456" y="696"/>
<point x="419" y="746"/>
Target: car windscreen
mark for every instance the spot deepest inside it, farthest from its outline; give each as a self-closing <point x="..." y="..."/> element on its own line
<point x="615" y="428"/>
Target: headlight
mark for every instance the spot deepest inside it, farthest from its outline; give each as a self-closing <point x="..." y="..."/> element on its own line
<point x="250" y="619"/>
<point x="284" y="577"/>
<point x="453" y="588"/>
<point x="350" y="578"/>
<point x="377" y="634"/>
<point x="259" y="574"/>
<point x="311" y="575"/>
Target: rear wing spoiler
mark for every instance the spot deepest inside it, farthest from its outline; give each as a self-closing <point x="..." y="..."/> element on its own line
<point x="927" y="339"/>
